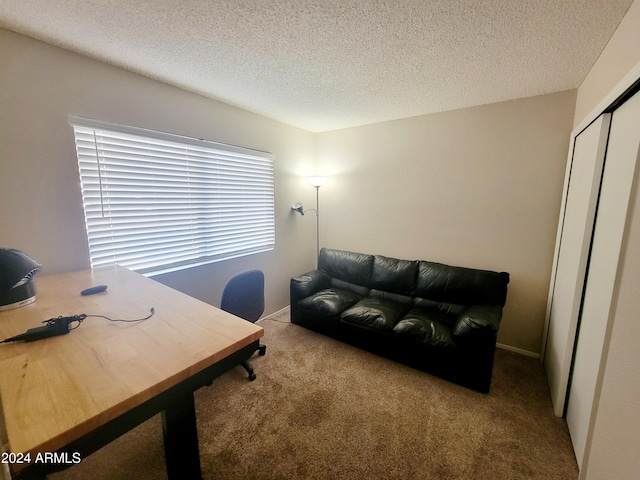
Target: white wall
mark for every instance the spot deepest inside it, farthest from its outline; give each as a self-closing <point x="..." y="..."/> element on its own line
<point x="619" y="56"/>
<point x="478" y="187"/>
<point x="615" y="443"/>
<point x="40" y="199"/>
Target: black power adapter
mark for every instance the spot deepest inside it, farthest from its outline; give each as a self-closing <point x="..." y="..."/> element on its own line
<point x="63" y="325"/>
<point x="53" y="327"/>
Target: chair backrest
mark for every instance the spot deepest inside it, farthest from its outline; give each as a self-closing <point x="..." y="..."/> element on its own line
<point x="244" y="295"/>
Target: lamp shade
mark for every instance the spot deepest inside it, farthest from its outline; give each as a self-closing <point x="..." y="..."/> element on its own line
<point x="17" y="270"/>
<point x="317" y="181"/>
<point x="297" y="207"/>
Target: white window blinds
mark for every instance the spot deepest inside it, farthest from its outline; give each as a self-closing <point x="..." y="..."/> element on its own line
<point x="155" y="202"/>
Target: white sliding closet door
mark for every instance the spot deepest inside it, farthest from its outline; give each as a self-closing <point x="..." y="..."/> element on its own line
<point x="576" y="226"/>
<point x="611" y="215"/>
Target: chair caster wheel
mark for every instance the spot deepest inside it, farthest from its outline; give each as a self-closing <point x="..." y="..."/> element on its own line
<point x="252" y="377"/>
<point x="262" y="350"/>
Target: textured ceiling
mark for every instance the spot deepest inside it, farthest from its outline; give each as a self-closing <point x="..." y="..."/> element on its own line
<point x="323" y="65"/>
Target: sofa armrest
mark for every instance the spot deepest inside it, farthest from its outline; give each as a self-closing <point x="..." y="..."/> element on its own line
<point x="308" y="283"/>
<point x="478" y="320"/>
<point x="304" y="286"/>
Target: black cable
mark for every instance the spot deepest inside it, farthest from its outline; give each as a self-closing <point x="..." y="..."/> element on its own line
<point x="62" y="325"/>
<point x="152" y="310"/>
<point x="274" y="320"/>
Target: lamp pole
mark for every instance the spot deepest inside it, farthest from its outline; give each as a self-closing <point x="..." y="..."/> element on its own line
<point x="317" y="220"/>
<point x="317" y="182"/>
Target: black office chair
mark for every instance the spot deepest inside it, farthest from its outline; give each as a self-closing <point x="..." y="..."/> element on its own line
<point x="243" y="296"/>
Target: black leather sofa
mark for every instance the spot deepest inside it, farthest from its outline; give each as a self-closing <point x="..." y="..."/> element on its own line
<point x="438" y="318"/>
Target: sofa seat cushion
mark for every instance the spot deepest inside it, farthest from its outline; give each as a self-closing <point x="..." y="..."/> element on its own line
<point x="329" y="302"/>
<point x="376" y="313"/>
<point x="427" y="327"/>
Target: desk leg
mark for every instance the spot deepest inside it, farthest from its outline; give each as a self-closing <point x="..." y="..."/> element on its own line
<point x="181" y="440"/>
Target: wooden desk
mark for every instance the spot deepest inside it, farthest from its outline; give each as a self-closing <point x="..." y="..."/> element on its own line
<point x="79" y="391"/>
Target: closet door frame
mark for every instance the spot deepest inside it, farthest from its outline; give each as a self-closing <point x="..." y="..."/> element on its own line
<point x="580" y="201"/>
<point x="594" y="330"/>
<point x="606" y="104"/>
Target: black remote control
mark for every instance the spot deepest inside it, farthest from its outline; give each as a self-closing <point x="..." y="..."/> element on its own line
<point x="92" y="290"/>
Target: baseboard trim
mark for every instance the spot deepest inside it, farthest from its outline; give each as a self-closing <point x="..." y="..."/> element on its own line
<point x="282" y="310"/>
<point x="518" y="350"/>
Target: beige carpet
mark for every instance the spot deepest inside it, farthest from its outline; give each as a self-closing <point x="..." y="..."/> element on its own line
<point x="321" y="409"/>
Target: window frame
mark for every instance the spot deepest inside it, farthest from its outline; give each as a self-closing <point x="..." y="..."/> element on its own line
<point x="212" y="163"/>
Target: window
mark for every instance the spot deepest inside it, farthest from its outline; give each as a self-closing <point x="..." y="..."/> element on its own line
<point x="155" y="202"/>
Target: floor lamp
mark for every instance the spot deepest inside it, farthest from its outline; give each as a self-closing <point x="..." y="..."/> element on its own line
<point x="317" y="182"/>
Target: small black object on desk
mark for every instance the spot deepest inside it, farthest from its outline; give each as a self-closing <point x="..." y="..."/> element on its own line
<point x="92" y="290"/>
<point x="53" y="327"/>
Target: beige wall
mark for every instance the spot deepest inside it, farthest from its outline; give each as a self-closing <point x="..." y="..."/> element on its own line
<point x="619" y="56"/>
<point x="40" y="200"/>
<point x="478" y="187"/>
<point x="616" y="438"/>
<point x="615" y="442"/>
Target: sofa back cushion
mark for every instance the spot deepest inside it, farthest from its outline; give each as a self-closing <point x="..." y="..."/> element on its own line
<point x="393" y="275"/>
<point x="461" y="286"/>
<point x="348" y="267"/>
